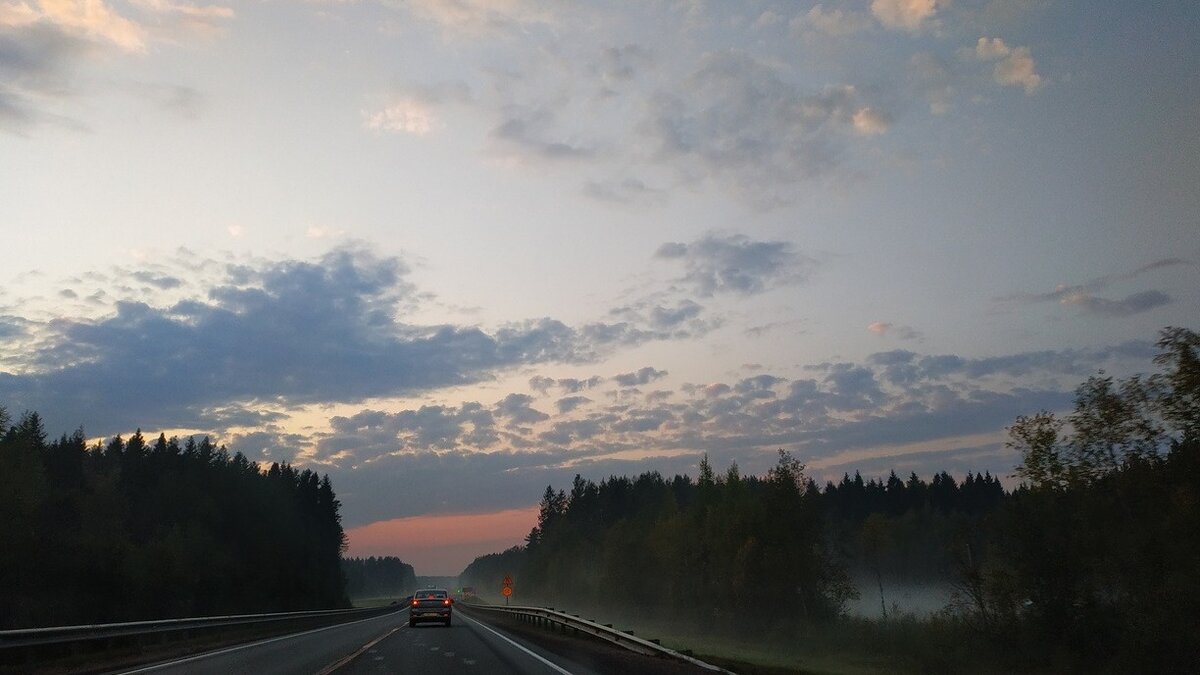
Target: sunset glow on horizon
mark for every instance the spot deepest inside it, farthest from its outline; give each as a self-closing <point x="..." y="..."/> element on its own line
<point x="442" y="545"/>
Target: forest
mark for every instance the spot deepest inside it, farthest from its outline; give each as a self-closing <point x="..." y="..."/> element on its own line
<point x="1088" y="565"/>
<point x="378" y="577"/>
<point x="134" y="530"/>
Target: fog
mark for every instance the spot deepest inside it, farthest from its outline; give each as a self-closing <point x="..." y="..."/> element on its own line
<point x="920" y="599"/>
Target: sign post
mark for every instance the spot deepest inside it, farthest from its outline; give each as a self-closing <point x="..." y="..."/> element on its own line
<point x="506" y="591"/>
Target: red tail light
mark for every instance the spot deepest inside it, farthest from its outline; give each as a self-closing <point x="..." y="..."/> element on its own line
<point x="414" y="602"/>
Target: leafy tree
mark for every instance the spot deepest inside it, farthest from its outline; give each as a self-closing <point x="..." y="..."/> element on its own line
<point x="1096" y="556"/>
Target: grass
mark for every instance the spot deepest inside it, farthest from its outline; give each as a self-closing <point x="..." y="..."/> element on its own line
<point x="364" y="603"/>
<point x="847" y="646"/>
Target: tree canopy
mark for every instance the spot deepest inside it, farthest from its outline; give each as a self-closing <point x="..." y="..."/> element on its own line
<point x="134" y="529"/>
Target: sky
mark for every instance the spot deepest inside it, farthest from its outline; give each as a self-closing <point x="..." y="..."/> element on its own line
<point x="453" y="251"/>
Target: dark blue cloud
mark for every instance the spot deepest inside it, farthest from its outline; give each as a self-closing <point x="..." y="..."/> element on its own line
<point x="12" y="326"/>
<point x="641" y="376"/>
<point x="518" y="409"/>
<point x="737" y="264"/>
<point x="458" y="481"/>
<point x="160" y="281"/>
<point x="1084" y="295"/>
<point x="284" y="334"/>
<point x="1132" y="304"/>
<point x="35" y="66"/>
<point x="569" y="403"/>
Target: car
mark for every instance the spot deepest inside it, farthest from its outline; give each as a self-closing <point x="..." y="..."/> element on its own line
<point x="430" y="604"/>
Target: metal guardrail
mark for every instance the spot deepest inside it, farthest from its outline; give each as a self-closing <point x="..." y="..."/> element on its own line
<point x="28" y="637"/>
<point x="625" y="639"/>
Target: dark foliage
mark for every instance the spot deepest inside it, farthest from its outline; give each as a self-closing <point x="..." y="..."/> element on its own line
<point x="713" y="547"/>
<point x="384" y="577"/>
<point x="132" y="530"/>
<point x="1094" y="562"/>
<point x="1091" y="565"/>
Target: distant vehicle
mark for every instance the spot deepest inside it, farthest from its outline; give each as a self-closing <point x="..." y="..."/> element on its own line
<point x="430" y="604"/>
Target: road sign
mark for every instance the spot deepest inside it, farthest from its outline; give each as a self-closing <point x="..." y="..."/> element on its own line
<point x="507" y="591"/>
<point x="507" y="581"/>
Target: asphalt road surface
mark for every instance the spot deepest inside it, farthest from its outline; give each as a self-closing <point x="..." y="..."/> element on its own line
<point x="387" y="644"/>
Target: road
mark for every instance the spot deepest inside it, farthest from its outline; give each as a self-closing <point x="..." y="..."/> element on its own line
<point x="387" y="644"/>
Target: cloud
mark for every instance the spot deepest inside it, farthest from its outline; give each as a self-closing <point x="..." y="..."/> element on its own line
<point x="870" y="122"/>
<point x="1131" y="304"/>
<point x="95" y="20"/>
<point x="737" y="264"/>
<point x="179" y="100"/>
<point x="893" y="409"/>
<point x="196" y="12"/>
<point x="901" y="332"/>
<point x="933" y="80"/>
<point x="1014" y="67"/>
<point x="834" y="22"/>
<point x="43" y="45"/>
<point x="36" y="61"/>
<point x="1084" y="295"/>
<point x="322" y="232"/>
<point x="910" y="15"/>
<point x="182" y="18"/>
<point x="570" y="403"/>
<point x="905" y="368"/>
<point x="527" y="133"/>
<point x="570" y="385"/>
<point x="286" y="333"/>
<point x="457" y="481"/>
<point x="405" y="116"/>
<point x="477" y="17"/>
<point x="642" y="376"/>
<point x="735" y="120"/>
<point x="12" y="327"/>
<point x="15" y="14"/>
<point x="518" y="409"/>
<point x="630" y="191"/>
<point x="990" y="49"/>
<point x="159" y="281"/>
<point x="643" y="123"/>
<point x="373" y="433"/>
<point x="618" y="66"/>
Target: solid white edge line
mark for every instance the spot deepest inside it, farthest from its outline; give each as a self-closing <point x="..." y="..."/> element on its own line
<point x="230" y="650"/>
<point x="489" y="629"/>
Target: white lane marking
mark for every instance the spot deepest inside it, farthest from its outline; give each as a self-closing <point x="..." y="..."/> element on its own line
<point x="553" y="665"/>
<point x="346" y="660"/>
<point x="230" y="650"/>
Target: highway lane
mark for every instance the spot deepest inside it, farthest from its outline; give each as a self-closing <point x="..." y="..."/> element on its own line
<point x="466" y="646"/>
<point x="480" y="645"/>
<point x="387" y="644"/>
<point x="311" y="651"/>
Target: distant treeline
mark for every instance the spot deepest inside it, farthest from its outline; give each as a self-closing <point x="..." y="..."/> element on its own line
<point x="130" y="530"/>
<point x="1091" y="565"/>
<point x="733" y="547"/>
<point x="385" y="577"/>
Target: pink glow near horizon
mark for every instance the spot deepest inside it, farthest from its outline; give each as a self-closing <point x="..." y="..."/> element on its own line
<point x="442" y="545"/>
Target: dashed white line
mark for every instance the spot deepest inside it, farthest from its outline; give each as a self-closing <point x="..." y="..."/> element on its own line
<point x="230" y="650"/>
